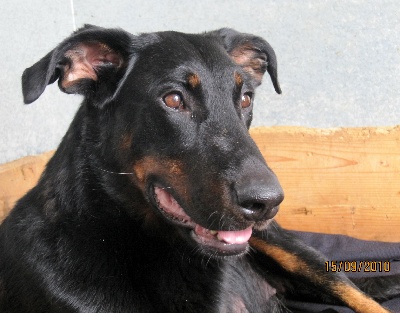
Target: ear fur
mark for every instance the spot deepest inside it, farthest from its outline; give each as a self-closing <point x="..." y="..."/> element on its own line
<point x="253" y="53"/>
<point x="90" y="62"/>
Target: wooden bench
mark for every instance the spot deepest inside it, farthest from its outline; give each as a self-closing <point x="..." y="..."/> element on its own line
<point x="336" y="181"/>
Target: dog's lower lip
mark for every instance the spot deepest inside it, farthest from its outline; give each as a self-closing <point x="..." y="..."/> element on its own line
<point x="225" y="242"/>
<point x="179" y="217"/>
<point x="219" y="246"/>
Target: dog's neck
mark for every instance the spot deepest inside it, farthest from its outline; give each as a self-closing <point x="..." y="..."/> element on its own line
<point x="66" y="171"/>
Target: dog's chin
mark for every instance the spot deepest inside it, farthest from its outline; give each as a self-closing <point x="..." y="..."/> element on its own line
<point x="215" y="243"/>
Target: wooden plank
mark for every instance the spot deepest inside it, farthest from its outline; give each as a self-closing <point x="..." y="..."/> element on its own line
<point x="343" y="181"/>
<point x="17" y="177"/>
<point x="338" y="181"/>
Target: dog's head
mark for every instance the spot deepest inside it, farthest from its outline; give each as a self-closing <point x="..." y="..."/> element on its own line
<point x="172" y="110"/>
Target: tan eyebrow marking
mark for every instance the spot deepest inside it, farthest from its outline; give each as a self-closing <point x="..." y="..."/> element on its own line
<point x="194" y="80"/>
<point x="238" y="79"/>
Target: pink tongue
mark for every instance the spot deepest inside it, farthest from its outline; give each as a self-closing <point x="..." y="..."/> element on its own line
<point x="235" y="237"/>
<point x="170" y="206"/>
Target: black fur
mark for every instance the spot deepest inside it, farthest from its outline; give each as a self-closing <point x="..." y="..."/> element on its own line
<point x="91" y="237"/>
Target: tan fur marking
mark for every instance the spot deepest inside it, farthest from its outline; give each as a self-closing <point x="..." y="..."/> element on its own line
<point x="194" y="80"/>
<point x="238" y="79"/>
<point x="126" y="141"/>
<point x="350" y="295"/>
<point x="143" y="167"/>
<point x="140" y="171"/>
<point x="357" y="300"/>
<point x="170" y="170"/>
<point x="287" y="260"/>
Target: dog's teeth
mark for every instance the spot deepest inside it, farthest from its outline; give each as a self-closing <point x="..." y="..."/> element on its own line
<point x="213" y="232"/>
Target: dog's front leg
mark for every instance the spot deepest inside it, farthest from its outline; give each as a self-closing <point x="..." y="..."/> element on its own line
<point x="303" y="269"/>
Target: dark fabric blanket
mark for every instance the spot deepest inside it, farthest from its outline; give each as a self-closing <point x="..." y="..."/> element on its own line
<point x="345" y="252"/>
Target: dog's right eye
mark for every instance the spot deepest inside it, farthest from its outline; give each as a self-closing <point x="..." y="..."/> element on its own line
<point x="245" y="102"/>
<point x="174" y="101"/>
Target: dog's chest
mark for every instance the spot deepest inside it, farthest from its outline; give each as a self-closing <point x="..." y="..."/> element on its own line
<point x="228" y="286"/>
<point x="245" y="291"/>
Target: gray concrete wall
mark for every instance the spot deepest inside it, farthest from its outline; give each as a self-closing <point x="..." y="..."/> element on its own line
<point x="339" y="61"/>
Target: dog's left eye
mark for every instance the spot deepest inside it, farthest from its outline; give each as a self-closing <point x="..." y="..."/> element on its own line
<point x="246" y="100"/>
<point x="174" y="101"/>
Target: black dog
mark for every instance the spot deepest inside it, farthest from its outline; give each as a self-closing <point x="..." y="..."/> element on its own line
<point x="152" y="198"/>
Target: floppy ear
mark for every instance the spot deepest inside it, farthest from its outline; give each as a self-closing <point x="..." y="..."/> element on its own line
<point x="253" y="53"/>
<point x="90" y="62"/>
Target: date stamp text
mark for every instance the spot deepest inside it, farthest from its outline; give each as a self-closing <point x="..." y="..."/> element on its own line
<point x="357" y="266"/>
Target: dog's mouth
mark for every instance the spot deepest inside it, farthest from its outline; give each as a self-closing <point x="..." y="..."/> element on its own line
<point x="213" y="241"/>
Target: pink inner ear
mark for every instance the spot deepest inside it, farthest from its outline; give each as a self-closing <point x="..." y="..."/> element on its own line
<point x="85" y="58"/>
<point x="246" y="57"/>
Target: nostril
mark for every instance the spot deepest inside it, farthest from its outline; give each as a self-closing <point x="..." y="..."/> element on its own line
<point x="258" y="211"/>
<point x="256" y="206"/>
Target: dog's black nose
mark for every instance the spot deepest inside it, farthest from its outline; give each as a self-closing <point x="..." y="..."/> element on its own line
<point x="259" y="195"/>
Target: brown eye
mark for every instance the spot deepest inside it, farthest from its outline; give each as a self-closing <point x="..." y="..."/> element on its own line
<point x="174" y="101"/>
<point x="246" y="100"/>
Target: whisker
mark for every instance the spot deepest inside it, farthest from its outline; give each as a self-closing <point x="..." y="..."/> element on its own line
<point x="111" y="172"/>
<point x="209" y="259"/>
<point x="222" y="221"/>
<point x="215" y="212"/>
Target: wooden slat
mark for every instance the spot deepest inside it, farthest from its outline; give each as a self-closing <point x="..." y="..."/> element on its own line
<point x="338" y="181"/>
<point x="343" y="181"/>
<point x="17" y="177"/>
